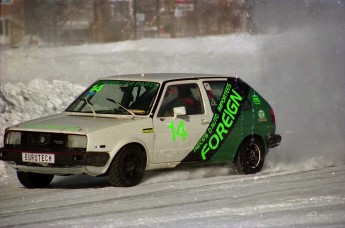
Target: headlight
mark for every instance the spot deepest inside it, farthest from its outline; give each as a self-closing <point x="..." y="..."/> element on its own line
<point x="13" y="137"/>
<point x="76" y="141"/>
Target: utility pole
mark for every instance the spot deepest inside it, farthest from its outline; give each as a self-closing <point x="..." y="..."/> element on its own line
<point x="158" y="17"/>
<point x="135" y="19"/>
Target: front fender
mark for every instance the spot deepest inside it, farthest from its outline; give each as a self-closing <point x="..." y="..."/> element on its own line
<point x="113" y="138"/>
<point x="92" y="170"/>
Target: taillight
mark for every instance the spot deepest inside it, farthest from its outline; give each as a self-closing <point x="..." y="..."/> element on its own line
<point x="273" y="116"/>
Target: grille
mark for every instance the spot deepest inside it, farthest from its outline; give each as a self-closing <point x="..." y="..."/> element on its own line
<point x="43" y="141"/>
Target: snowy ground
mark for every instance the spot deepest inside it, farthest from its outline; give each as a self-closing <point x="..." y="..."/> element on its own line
<point x="313" y="198"/>
<point x="301" y="72"/>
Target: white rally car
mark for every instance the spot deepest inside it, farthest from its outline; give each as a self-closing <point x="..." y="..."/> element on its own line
<point x="123" y="125"/>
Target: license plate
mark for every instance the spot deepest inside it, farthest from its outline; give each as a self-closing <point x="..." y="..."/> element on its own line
<point x="38" y="158"/>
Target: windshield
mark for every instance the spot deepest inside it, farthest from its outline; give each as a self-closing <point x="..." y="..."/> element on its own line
<point x="116" y="97"/>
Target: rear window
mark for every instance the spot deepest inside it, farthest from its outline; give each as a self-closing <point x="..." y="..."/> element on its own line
<point x="214" y="91"/>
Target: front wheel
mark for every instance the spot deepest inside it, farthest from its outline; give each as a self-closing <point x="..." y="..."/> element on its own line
<point x="128" y="167"/>
<point x="34" y="180"/>
<point x="250" y="157"/>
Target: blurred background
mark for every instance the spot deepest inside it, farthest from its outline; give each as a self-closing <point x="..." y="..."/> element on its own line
<point x="69" y="22"/>
<point x="80" y="21"/>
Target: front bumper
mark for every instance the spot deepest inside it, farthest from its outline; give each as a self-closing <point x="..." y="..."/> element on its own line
<point x="63" y="170"/>
<point x="273" y="140"/>
<point x="62" y="158"/>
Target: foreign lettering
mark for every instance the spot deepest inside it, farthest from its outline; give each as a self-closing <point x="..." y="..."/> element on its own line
<point x="219" y="128"/>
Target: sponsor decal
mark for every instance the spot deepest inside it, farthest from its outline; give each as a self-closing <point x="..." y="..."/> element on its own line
<point x="223" y="121"/>
<point x="100" y="84"/>
<point x="126" y="83"/>
<point x="147" y="130"/>
<point x="256" y="99"/>
<point x="262" y="116"/>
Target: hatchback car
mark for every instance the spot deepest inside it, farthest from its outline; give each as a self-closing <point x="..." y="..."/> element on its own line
<point x="123" y="125"/>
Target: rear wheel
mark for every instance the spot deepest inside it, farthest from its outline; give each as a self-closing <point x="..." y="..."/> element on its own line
<point x="250" y="157"/>
<point x="34" y="180"/>
<point x="128" y="167"/>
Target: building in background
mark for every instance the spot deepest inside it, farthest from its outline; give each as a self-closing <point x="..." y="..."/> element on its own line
<point x="11" y="22"/>
<point x="113" y="20"/>
<point x="75" y="20"/>
<point x="221" y="16"/>
<point x="93" y="21"/>
<point x="182" y="18"/>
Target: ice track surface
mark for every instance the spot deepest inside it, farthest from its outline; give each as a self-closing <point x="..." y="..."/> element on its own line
<point x="313" y="198"/>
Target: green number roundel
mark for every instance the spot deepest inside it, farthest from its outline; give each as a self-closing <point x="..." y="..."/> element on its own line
<point x="180" y="131"/>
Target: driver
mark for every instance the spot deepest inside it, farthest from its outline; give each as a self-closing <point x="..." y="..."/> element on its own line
<point x="176" y="97"/>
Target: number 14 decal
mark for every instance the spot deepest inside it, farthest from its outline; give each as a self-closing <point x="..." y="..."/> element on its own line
<point x="179" y="132"/>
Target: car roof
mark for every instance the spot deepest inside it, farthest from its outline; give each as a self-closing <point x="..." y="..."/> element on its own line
<point x="162" y="77"/>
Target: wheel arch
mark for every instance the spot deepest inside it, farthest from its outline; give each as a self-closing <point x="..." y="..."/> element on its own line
<point x="250" y="156"/>
<point x="120" y="148"/>
<point x="100" y="171"/>
<point x="127" y="166"/>
<point x="250" y="137"/>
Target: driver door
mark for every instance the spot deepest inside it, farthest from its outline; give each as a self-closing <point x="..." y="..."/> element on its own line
<point x="176" y="136"/>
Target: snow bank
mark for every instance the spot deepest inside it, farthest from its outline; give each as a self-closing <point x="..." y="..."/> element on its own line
<point x="20" y="102"/>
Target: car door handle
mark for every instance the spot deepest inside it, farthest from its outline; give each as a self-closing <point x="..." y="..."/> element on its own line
<point x="204" y="121"/>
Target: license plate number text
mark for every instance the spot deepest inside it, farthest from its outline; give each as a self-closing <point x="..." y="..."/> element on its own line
<point x="38" y="158"/>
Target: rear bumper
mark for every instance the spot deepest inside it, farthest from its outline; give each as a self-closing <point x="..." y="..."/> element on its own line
<point x="273" y="140"/>
<point x="62" y="158"/>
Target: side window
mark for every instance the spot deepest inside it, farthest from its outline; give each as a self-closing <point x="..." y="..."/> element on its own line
<point x="214" y="91"/>
<point x="187" y="95"/>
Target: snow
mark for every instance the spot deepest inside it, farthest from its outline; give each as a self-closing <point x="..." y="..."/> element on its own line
<point x="299" y="69"/>
<point x="312" y="198"/>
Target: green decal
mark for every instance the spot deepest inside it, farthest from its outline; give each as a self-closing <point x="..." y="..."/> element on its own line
<point x="96" y="88"/>
<point x="256" y="99"/>
<point x="179" y="132"/>
<point x="222" y="123"/>
<point x="129" y="83"/>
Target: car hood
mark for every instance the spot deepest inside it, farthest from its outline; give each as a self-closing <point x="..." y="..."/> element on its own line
<point x="72" y="123"/>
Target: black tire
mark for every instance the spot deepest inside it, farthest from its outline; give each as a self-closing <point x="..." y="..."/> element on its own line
<point x="250" y="157"/>
<point x="128" y="167"/>
<point x="34" y="180"/>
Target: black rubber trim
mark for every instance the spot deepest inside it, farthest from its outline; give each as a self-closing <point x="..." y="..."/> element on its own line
<point x="273" y="140"/>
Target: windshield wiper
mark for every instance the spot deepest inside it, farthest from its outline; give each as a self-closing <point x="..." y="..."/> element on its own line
<point x="87" y="102"/>
<point x="129" y="111"/>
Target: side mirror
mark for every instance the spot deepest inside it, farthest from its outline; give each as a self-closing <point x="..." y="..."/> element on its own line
<point x="179" y="111"/>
